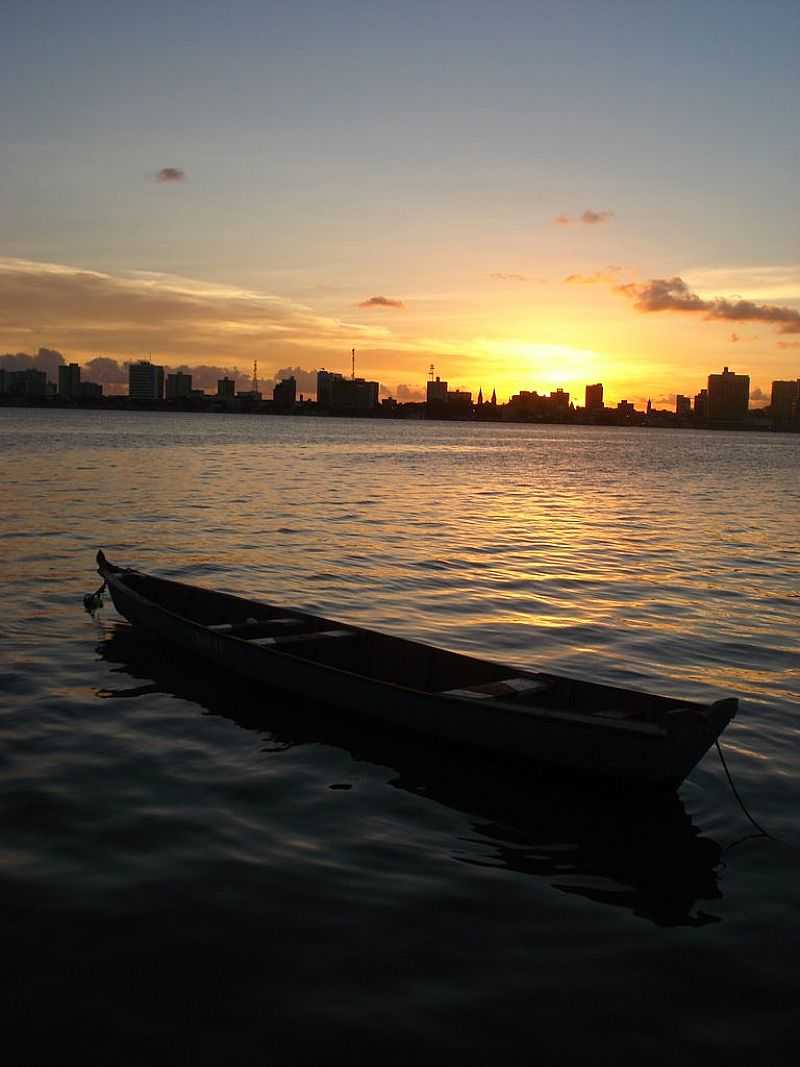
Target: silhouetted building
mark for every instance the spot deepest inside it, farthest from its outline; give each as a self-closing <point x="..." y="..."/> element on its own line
<point x="436" y="391"/>
<point x="179" y="385"/>
<point x="226" y="388"/>
<point x="284" y="394"/>
<point x="626" y="408"/>
<point x="3" y="384"/>
<point x="701" y="404"/>
<point x="26" y="382"/>
<point x="145" y="381"/>
<point x="459" y="398"/>
<point x="683" y="406"/>
<point x="559" y="401"/>
<point x="783" y="404"/>
<point x="728" y="395"/>
<point x="91" y="391"/>
<point x="337" y="393"/>
<point x="594" y="397"/>
<point x="69" y="381"/>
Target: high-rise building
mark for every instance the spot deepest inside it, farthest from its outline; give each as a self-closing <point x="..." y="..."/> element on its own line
<point x="335" y="392"/>
<point x="728" y="395"/>
<point x="145" y="381"/>
<point x="284" y="394"/>
<point x="436" y="391"/>
<point x="69" y="380"/>
<point x="783" y="404"/>
<point x="27" y="382"/>
<point x="226" y="388"/>
<point x="3" y="385"/>
<point x="179" y="385"/>
<point x="594" y="397"/>
<point x="683" y="406"/>
<point x="701" y="404"/>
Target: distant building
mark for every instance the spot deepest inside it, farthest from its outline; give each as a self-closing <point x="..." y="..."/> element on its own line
<point x="559" y="401"/>
<point x="91" y="391"/>
<point x="226" y="388"/>
<point x="337" y="393"/>
<point x="436" y="391"/>
<point x="701" y="404"/>
<point x="3" y="386"/>
<point x="594" y="397"/>
<point x="459" y="397"/>
<point x="179" y="385"/>
<point x="284" y="394"/>
<point x="26" y="382"/>
<point x="145" y="381"/>
<point x="69" y="381"/>
<point x="683" y="406"/>
<point x="728" y="395"/>
<point x="783" y="404"/>
<point x="626" y="408"/>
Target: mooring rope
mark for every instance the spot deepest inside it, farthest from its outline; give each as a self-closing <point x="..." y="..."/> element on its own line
<point x="758" y="826"/>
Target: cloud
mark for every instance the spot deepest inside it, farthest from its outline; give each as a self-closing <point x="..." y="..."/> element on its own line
<point x="381" y="302"/>
<point x="592" y="218"/>
<point x="500" y="276"/>
<point x="734" y="337"/>
<point x="788" y="344"/>
<point x="673" y="294"/>
<point x="406" y="394"/>
<point x="607" y="276"/>
<point x="139" y="312"/>
<point x="171" y="174"/>
<point x="306" y="379"/>
<point x="106" y="371"/>
<point x="759" y="396"/>
<point x="46" y="359"/>
<point x="589" y="217"/>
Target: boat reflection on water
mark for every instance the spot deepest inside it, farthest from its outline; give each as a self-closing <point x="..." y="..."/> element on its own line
<point x="639" y="853"/>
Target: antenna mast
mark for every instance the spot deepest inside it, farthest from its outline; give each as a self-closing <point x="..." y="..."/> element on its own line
<point x="255" y="375"/>
<point x="430" y="372"/>
<point x="353" y="370"/>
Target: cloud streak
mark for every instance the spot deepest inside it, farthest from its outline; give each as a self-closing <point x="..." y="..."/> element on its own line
<point x="132" y="314"/>
<point x="501" y="276"/>
<point x="673" y="294"/>
<point x="588" y="218"/>
<point x="171" y="174"/>
<point x="381" y="302"/>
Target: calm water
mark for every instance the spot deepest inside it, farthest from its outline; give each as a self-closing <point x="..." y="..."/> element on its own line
<point x="202" y="874"/>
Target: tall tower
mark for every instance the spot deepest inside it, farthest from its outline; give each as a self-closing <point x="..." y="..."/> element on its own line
<point x="353" y="365"/>
<point x="255" y="375"/>
<point x="430" y="373"/>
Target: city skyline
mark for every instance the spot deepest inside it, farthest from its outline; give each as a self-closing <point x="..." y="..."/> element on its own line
<point x="543" y="197"/>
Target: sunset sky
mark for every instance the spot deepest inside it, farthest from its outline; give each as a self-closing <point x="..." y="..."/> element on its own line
<point x="528" y="195"/>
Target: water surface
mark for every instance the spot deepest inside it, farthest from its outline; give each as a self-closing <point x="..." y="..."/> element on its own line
<point x="201" y="871"/>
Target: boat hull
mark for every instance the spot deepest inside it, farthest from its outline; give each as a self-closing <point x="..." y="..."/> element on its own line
<point x="638" y="754"/>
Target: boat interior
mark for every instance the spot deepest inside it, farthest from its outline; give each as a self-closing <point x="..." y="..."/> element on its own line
<point x="389" y="659"/>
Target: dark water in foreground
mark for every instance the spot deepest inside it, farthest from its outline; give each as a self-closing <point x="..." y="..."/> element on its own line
<point x="192" y="872"/>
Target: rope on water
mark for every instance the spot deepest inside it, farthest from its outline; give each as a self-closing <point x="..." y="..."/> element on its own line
<point x="758" y="826"/>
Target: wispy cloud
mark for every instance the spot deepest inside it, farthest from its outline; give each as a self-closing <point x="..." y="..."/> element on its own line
<point x="788" y="344"/>
<point x="589" y="218"/>
<point x="381" y="302"/>
<point x="606" y="276"/>
<point x="734" y="337"/>
<point x="171" y="174"/>
<point x="501" y="276"/>
<point x="88" y="312"/>
<point x="592" y="218"/>
<point x="673" y="294"/>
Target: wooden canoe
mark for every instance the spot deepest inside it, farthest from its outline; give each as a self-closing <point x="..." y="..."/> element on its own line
<point x="619" y="735"/>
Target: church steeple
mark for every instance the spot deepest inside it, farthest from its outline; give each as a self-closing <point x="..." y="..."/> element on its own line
<point x="493" y="401"/>
<point x="480" y="398"/>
